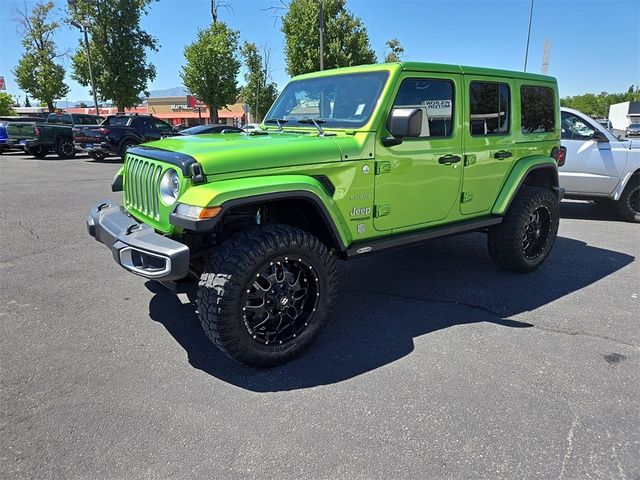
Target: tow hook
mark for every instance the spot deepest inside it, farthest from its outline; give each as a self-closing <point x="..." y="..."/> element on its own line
<point x="102" y="206"/>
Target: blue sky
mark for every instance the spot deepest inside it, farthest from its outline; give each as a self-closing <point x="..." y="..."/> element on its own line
<point x="595" y="43"/>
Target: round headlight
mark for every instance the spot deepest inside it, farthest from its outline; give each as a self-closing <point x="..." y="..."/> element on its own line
<point x="169" y="187"/>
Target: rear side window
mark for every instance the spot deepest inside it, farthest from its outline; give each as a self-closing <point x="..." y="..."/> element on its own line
<point x="537" y="109"/>
<point x="490" y="110"/>
<point x="118" y="121"/>
<point x="434" y="98"/>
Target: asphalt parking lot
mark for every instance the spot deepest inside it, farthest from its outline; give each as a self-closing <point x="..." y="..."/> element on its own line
<point x="436" y="365"/>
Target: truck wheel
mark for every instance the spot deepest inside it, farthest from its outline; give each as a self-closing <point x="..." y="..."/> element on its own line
<point x="123" y="148"/>
<point x="528" y="231"/>
<point x="267" y="293"/>
<point x="38" y="152"/>
<point x="65" y="148"/>
<point x="629" y="203"/>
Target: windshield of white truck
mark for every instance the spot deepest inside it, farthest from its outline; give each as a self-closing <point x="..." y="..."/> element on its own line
<point x="338" y="101"/>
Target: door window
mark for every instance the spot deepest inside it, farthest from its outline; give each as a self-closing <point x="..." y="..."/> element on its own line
<point x="146" y="123"/>
<point x="490" y="112"/>
<point x="575" y="128"/>
<point x="162" y="126"/>
<point x="434" y="98"/>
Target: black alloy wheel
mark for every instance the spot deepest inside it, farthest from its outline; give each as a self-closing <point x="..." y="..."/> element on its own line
<point x="65" y="148"/>
<point x="536" y="234"/>
<point x="279" y="302"/>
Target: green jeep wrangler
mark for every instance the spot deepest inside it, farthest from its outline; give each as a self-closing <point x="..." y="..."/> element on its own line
<point x="351" y="161"/>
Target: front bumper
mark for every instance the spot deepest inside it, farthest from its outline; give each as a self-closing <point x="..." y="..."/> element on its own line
<point x="136" y="246"/>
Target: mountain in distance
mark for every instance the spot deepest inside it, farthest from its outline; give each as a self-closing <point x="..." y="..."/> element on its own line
<point x="169" y="92"/>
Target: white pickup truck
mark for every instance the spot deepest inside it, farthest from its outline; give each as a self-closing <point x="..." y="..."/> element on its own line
<point x="599" y="166"/>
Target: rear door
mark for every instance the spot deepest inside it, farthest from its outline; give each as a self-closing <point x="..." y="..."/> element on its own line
<point x="489" y="143"/>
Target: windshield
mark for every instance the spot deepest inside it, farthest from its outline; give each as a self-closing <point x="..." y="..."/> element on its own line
<point x="340" y="101"/>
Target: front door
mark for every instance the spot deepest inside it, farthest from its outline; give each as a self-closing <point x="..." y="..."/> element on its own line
<point x="489" y="144"/>
<point x="418" y="181"/>
<point x="590" y="166"/>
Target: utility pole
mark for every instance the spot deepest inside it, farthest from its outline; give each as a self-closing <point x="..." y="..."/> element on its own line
<point x="526" y="51"/>
<point x="321" y="34"/>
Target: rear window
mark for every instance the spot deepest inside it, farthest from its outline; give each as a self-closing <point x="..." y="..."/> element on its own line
<point x="537" y="109"/>
<point x="118" y="121"/>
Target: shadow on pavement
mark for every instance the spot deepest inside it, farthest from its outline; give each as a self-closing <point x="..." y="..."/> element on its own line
<point x="387" y="300"/>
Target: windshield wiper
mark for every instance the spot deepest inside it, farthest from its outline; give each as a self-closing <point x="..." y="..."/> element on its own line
<point x="315" y="122"/>
<point x="277" y="121"/>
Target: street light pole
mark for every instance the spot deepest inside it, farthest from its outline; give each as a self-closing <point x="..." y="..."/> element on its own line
<point x="526" y="51"/>
<point x="83" y="27"/>
<point x="93" y="84"/>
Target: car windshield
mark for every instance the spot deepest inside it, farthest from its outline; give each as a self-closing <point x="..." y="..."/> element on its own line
<point x="634" y="125"/>
<point x="340" y="101"/>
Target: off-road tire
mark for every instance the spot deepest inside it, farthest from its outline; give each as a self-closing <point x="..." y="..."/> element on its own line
<point x="506" y="241"/>
<point x="65" y="148"/>
<point x="122" y="151"/>
<point x="38" y="152"/>
<point x="629" y="201"/>
<point x="233" y="268"/>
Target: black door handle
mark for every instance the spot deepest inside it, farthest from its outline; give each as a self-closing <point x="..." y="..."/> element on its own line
<point x="502" y="154"/>
<point x="449" y="159"/>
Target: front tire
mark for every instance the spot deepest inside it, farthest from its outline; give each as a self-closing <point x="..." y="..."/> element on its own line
<point x="38" y="152"/>
<point x="267" y="293"/>
<point x="123" y="148"/>
<point x="528" y="231"/>
<point x="629" y="203"/>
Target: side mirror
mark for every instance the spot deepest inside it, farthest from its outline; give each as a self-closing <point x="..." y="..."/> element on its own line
<point x="403" y="122"/>
<point x="600" y="137"/>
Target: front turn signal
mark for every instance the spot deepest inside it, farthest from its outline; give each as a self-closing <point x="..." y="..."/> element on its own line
<point x="209" y="212"/>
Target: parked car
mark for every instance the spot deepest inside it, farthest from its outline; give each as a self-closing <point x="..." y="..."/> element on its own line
<point x="598" y="166"/>
<point x="55" y="134"/>
<point x="202" y="129"/>
<point x="633" y="130"/>
<point x="252" y="127"/>
<point x="119" y="132"/>
<point x="372" y="157"/>
<point x="4" y="137"/>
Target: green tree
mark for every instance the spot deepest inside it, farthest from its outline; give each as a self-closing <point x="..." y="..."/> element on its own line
<point x="37" y="72"/>
<point x="212" y="67"/>
<point x="597" y="105"/>
<point x="258" y="92"/>
<point x="6" y="102"/>
<point x="119" y="47"/>
<point x="345" y="37"/>
<point x="394" y="50"/>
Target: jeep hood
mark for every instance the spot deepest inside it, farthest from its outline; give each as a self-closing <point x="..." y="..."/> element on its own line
<point x="235" y="152"/>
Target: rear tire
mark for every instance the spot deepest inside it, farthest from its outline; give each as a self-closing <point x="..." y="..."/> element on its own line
<point x="65" y="148"/>
<point x="528" y="231"/>
<point x="267" y="293"/>
<point x="629" y="203"/>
